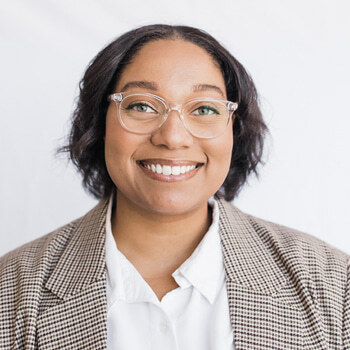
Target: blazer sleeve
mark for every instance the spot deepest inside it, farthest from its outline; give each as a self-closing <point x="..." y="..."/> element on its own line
<point x="346" y="323"/>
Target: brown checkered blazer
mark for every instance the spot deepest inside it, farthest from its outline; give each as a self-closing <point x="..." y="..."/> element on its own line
<point x="286" y="289"/>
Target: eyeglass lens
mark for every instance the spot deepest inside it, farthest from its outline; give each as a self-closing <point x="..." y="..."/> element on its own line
<point x="144" y="114"/>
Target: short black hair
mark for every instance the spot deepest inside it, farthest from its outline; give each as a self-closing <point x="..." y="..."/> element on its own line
<point x="86" y="138"/>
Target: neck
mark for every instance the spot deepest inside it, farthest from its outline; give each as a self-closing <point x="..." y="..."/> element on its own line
<point x="154" y="240"/>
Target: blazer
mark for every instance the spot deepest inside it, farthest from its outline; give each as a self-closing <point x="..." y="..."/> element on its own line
<point x="286" y="289"/>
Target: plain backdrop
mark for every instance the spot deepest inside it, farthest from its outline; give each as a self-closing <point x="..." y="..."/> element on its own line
<point x="296" y="51"/>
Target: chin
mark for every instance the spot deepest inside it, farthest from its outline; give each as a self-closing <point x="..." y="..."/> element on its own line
<point x="172" y="204"/>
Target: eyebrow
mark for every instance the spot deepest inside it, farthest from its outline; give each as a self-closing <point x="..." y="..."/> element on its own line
<point x="150" y="85"/>
<point x="205" y="87"/>
<point x="140" y="84"/>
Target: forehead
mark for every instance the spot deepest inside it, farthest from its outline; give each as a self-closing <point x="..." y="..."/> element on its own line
<point x="172" y="63"/>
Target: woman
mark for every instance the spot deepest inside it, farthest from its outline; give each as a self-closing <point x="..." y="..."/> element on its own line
<point x="166" y="131"/>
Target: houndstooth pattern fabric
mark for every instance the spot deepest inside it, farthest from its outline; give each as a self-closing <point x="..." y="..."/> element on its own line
<point x="286" y="289"/>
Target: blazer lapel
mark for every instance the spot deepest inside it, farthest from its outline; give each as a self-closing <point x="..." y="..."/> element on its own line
<point x="267" y="311"/>
<point x="79" y="321"/>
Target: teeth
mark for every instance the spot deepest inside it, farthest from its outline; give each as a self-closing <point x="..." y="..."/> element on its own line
<point x="175" y="170"/>
<point x="170" y="170"/>
<point x="166" y="170"/>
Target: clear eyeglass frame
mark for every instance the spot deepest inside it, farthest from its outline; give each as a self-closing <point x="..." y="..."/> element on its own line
<point x="230" y="106"/>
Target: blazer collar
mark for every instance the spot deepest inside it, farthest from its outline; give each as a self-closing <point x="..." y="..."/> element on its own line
<point x="248" y="253"/>
<point x="83" y="258"/>
<point x="248" y="256"/>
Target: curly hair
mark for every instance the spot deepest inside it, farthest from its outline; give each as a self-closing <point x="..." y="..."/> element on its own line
<point x="85" y="144"/>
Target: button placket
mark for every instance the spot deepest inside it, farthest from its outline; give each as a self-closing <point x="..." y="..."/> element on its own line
<point x="163" y="326"/>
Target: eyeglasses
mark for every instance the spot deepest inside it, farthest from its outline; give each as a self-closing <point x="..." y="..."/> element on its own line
<point x="143" y="113"/>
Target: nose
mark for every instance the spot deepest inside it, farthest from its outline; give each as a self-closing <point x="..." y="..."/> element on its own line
<point x="172" y="134"/>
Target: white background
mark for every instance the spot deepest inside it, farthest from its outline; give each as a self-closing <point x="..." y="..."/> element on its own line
<point x="296" y="51"/>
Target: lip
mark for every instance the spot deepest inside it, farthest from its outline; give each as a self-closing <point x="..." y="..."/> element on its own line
<point x="170" y="162"/>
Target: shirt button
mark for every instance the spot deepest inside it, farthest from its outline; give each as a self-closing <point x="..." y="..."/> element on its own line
<point x="163" y="327"/>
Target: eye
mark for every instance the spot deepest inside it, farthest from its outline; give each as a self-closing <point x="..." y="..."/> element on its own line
<point x="140" y="107"/>
<point x="205" y="110"/>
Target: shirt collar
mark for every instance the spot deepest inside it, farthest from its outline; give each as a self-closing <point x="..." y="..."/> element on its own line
<point x="124" y="282"/>
<point x="204" y="269"/>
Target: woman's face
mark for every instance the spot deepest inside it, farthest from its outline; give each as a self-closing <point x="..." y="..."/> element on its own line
<point x="170" y="69"/>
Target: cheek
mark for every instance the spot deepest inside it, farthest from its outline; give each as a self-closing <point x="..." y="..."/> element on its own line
<point x="228" y="145"/>
<point x="119" y="147"/>
<point x="221" y="149"/>
<point x="219" y="153"/>
<point x="113" y="141"/>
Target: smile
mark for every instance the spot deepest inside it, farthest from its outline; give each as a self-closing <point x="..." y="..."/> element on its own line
<point x="181" y="170"/>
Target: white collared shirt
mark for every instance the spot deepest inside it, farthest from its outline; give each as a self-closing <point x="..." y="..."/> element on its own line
<point x="193" y="316"/>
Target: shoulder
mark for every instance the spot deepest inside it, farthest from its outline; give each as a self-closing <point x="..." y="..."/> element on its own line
<point x="32" y="260"/>
<point x="37" y="258"/>
<point x="298" y="253"/>
<point x="52" y="244"/>
<point x="324" y="266"/>
<point x="287" y="238"/>
<point x="25" y="272"/>
<point x="289" y="267"/>
<point x="308" y="247"/>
